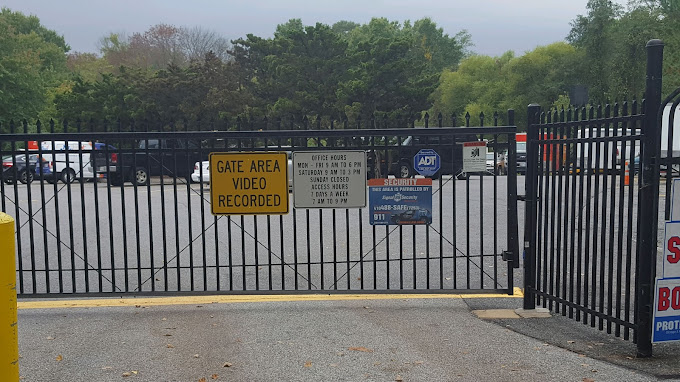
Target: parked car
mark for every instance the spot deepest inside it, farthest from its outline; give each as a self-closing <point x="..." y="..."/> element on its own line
<point x="17" y="168"/>
<point x="80" y="163"/>
<point x="196" y="175"/>
<point x="174" y="157"/>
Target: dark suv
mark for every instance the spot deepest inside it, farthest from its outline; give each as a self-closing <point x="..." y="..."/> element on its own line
<point x="397" y="159"/>
<point x="174" y="157"/>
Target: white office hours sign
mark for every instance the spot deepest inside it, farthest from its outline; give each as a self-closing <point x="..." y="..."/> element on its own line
<point x="329" y="179"/>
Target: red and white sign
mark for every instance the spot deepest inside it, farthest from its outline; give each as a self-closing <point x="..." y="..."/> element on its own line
<point x="474" y="156"/>
<point x="671" y="251"/>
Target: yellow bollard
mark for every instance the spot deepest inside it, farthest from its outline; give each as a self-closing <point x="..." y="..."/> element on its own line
<point x="9" y="336"/>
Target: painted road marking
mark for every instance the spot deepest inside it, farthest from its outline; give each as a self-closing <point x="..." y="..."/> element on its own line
<point x="225" y="299"/>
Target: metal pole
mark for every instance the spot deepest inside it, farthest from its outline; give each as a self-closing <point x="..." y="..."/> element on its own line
<point x="9" y="350"/>
<point x="649" y="200"/>
<point x="531" y="198"/>
<point x="513" y="240"/>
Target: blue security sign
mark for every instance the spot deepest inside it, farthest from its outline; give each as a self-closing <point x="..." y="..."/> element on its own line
<point x="400" y="201"/>
<point x="427" y="162"/>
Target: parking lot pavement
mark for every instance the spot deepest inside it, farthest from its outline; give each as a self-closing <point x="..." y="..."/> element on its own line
<point x="380" y="340"/>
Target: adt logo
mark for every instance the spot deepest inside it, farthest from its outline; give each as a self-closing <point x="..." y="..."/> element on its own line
<point x="426" y="162"/>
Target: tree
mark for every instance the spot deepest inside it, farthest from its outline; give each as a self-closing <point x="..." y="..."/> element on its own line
<point x="162" y="46"/>
<point x="613" y="42"/>
<point x="670" y="7"/>
<point x="488" y="84"/>
<point x="208" y="90"/>
<point x="112" y="97"/>
<point x="479" y="80"/>
<point x="395" y="67"/>
<point x="88" y="66"/>
<point x="114" y="49"/>
<point x="627" y="60"/>
<point x="436" y="47"/>
<point x="343" y="27"/>
<point x="32" y="61"/>
<point x="544" y="74"/>
<point x="26" y="25"/>
<point x="197" y="42"/>
<point x="157" y="48"/>
<point x="592" y="33"/>
<point x="297" y="71"/>
<point x="381" y="66"/>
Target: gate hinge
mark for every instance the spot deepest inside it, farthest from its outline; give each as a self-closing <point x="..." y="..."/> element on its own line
<point x="507" y="256"/>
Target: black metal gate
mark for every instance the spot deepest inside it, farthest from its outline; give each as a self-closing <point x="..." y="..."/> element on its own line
<point x="592" y="211"/>
<point x="137" y="221"/>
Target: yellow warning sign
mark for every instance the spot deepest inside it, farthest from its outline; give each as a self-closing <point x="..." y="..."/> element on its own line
<point x="249" y="183"/>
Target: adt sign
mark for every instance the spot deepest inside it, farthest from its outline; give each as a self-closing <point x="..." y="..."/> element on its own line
<point x="427" y="162"/>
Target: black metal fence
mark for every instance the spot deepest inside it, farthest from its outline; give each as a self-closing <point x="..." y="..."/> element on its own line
<point x="121" y="208"/>
<point x="592" y="211"/>
<point x="586" y="213"/>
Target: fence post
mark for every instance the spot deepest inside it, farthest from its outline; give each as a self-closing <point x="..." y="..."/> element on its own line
<point x="649" y="201"/>
<point x="511" y="169"/>
<point x="9" y="350"/>
<point x="531" y="198"/>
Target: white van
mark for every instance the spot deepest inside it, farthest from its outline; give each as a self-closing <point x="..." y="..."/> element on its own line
<point x="67" y="168"/>
<point x="666" y="117"/>
<point x="615" y="156"/>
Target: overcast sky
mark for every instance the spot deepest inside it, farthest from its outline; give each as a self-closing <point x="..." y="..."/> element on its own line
<point x="495" y="25"/>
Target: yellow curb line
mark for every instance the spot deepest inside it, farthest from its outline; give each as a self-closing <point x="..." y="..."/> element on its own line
<point x="224" y="299"/>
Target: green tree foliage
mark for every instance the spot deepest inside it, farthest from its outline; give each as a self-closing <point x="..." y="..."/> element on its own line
<point x="207" y="89"/>
<point x="88" y="66"/>
<point x="397" y="67"/>
<point x="487" y="84"/>
<point x="479" y="80"/>
<point x="381" y="66"/>
<point x="343" y="27"/>
<point x="593" y="34"/>
<point x="542" y="76"/>
<point x="295" y="72"/>
<point x="32" y="64"/>
<point x="346" y="69"/>
<point x="384" y="75"/>
<point x="113" y="96"/>
<point x="613" y="42"/>
<point x="671" y="8"/>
